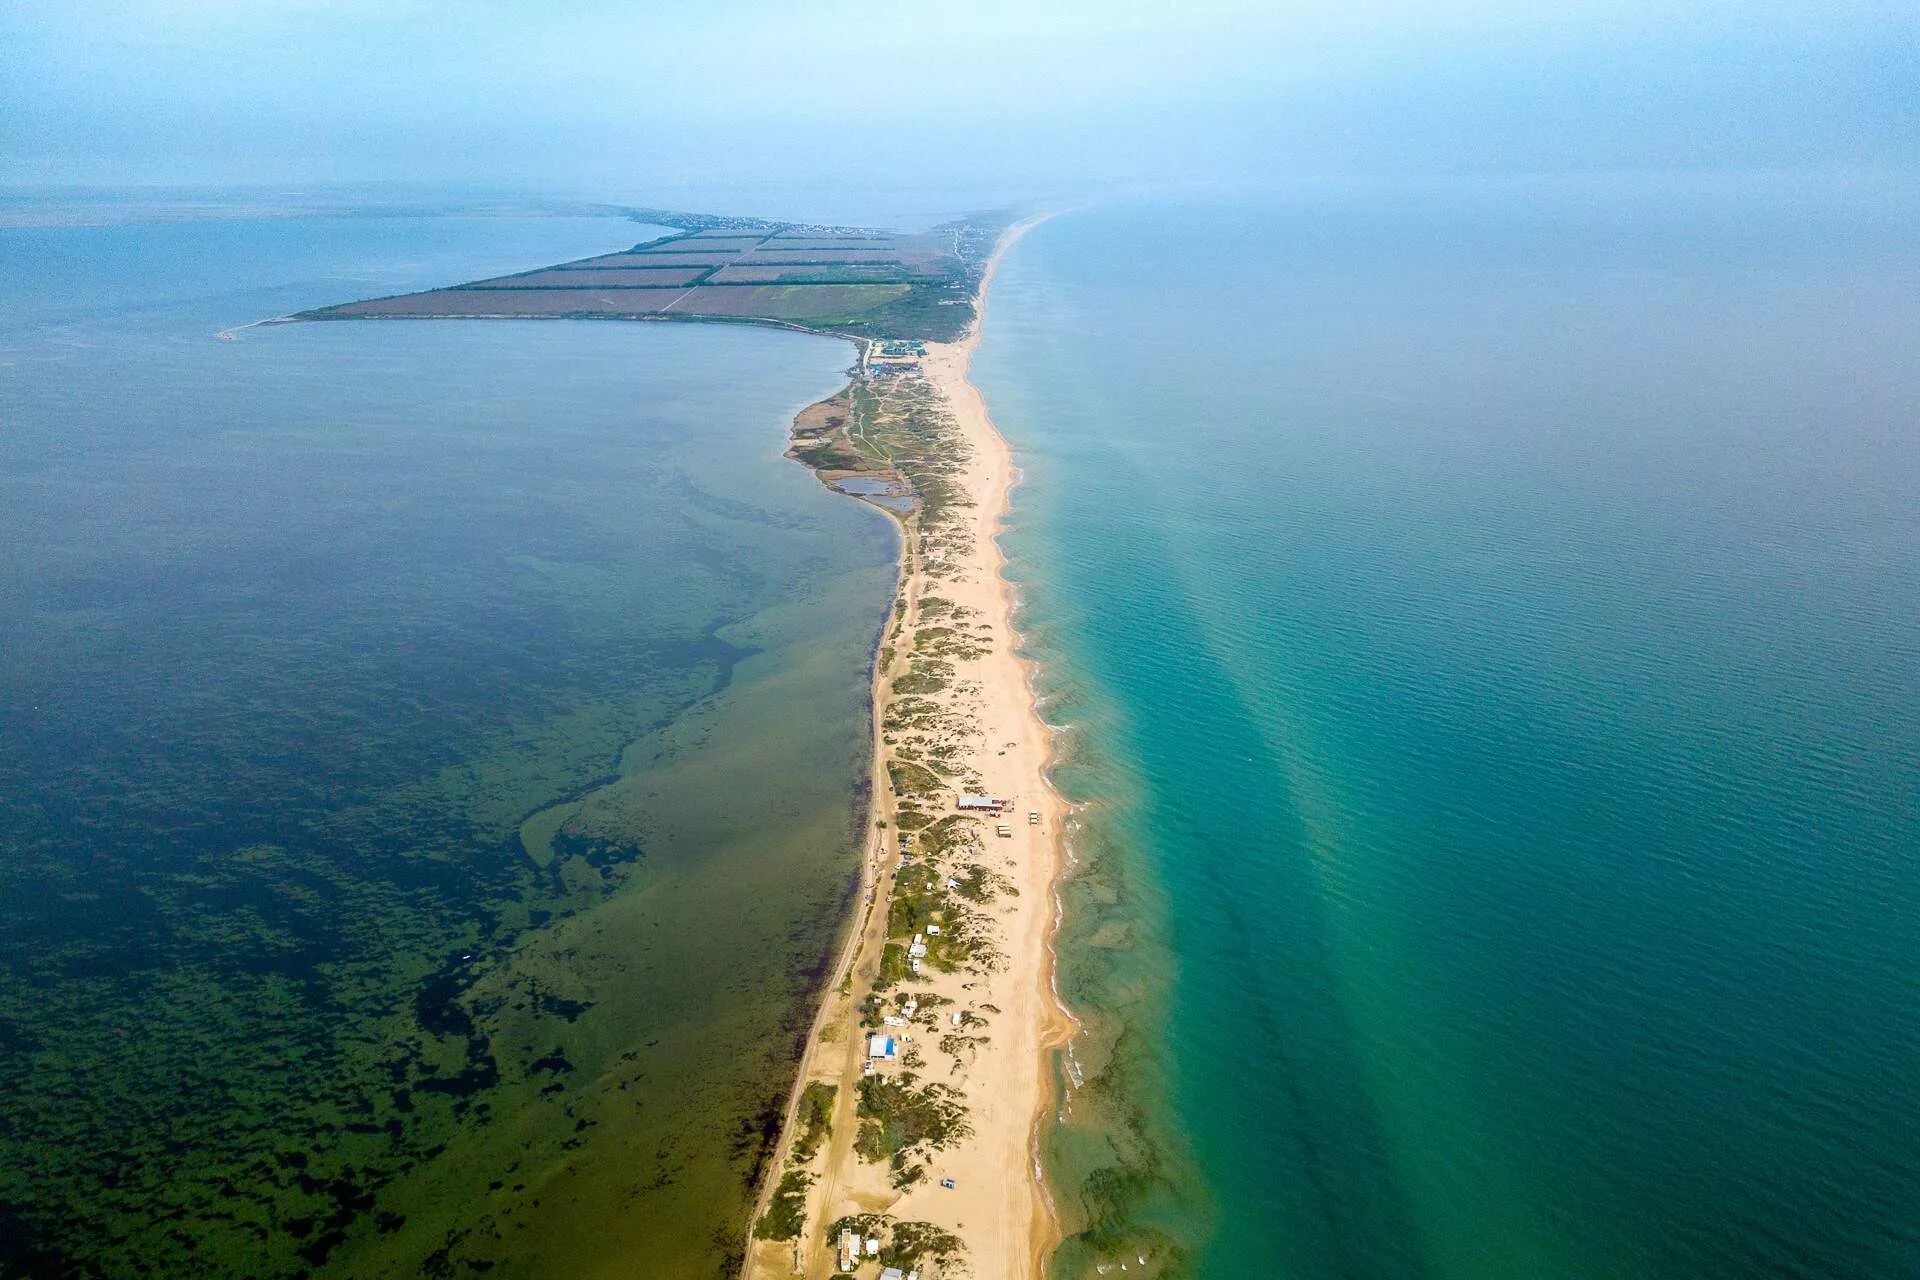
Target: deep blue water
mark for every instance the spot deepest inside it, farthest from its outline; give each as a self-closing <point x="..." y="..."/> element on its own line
<point x="1489" y="615"/>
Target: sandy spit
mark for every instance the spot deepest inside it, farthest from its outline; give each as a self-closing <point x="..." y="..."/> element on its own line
<point x="999" y="1205"/>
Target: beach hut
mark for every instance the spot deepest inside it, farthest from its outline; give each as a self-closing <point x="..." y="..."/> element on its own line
<point x="968" y="803"/>
<point x="880" y="1046"/>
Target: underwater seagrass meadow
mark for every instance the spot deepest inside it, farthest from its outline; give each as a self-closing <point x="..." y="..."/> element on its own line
<point x="430" y="754"/>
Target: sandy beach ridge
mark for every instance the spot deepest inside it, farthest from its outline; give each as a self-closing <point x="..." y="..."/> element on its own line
<point x="940" y="1162"/>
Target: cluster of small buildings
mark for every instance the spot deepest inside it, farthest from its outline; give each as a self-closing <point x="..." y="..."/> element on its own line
<point x="881" y="1047"/>
<point x="983" y="804"/>
<point x="900" y="349"/>
<point x="908" y="1008"/>
<point x="851" y="1250"/>
<point x="991" y="806"/>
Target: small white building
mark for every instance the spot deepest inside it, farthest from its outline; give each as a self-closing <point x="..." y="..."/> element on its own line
<point x="879" y="1046"/>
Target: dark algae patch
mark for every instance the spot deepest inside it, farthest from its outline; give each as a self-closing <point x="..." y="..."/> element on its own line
<point x="257" y="1041"/>
<point x="381" y="892"/>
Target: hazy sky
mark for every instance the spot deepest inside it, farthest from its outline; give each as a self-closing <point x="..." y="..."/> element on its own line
<point x="623" y="100"/>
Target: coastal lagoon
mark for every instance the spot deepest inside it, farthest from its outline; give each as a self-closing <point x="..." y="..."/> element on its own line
<point x="431" y="754"/>
<point x="1487" y="618"/>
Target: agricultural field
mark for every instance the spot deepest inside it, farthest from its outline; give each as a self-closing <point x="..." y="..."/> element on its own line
<point x="809" y="273"/>
<point x="907" y="263"/>
<point x="852" y="281"/>
<point x="673" y="248"/>
<point x="513" y="302"/>
<point x="825" y="302"/>
<point x="587" y="278"/>
<point x="873" y="244"/>
<point x="685" y="258"/>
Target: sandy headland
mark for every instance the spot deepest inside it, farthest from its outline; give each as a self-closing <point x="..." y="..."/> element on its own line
<point x="913" y="1135"/>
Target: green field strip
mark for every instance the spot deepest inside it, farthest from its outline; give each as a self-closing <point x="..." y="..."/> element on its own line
<point x="588" y="264"/>
<point x="563" y="288"/>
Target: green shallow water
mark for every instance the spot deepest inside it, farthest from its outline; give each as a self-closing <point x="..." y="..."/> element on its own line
<point x="430" y="754"/>
<point x="1488" y="622"/>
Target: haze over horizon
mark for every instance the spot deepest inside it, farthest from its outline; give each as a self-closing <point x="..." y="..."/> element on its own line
<point x="592" y="100"/>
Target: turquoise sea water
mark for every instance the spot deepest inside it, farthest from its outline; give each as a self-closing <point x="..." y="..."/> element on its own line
<point x="429" y="755"/>
<point x="1489" y="619"/>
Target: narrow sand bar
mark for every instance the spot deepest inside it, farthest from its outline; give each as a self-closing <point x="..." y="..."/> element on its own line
<point x="998" y="1206"/>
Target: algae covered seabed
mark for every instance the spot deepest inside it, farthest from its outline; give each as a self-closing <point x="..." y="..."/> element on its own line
<point x="428" y="753"/>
